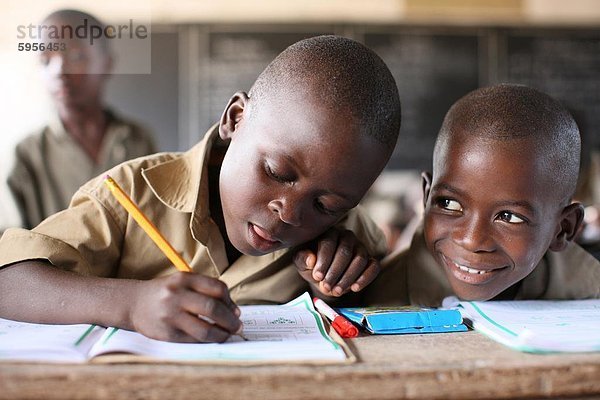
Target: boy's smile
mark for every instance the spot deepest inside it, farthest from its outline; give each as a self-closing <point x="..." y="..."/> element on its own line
<point x="473" y="274"/>
<point x="293" y="168"/>
<point x="491" y="213"/>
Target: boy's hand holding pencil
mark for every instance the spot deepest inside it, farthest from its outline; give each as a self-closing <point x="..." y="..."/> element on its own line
<point x="340" y="264"/>
<point x="183" y="307"/>
<point x="167" y="308"/>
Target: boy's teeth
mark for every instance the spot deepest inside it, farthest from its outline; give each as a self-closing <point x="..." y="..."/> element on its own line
<point x="471" y="270"/>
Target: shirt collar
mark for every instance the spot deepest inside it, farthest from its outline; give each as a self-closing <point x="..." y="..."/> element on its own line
<point x="116" y="127"/>
<point x="181" y="183"/>
<point x="56" y="126"/>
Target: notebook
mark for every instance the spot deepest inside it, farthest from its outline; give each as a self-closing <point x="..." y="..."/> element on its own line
<point x="289" y="333"/>
<point x="538" y="326"/>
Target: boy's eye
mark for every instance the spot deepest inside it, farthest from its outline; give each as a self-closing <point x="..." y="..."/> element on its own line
<point x="507" y="216"/>
<point x="449" y="204"/>
<point x="322" y="208"/>
<point x="278" y="177"/>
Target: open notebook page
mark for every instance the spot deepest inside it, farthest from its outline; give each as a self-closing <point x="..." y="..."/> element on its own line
<point x="539" y="325"/>
<point x="292" y="332"/>
<point x="54" y="343"/>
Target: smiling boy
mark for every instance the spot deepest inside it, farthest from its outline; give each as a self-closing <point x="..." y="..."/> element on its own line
<point x="499" y="220"/>
<point x="286" y="162"/>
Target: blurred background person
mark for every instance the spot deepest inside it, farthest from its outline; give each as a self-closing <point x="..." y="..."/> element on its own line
<point x="84" y="138"/>
<point x="9" y="216"/>
<point x="588" y="187"/>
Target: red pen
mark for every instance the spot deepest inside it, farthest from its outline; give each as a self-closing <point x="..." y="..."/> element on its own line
<point x="339" y="323"/>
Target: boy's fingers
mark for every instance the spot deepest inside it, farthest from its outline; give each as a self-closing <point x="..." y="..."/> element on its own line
<point x="354" y="271"/>
<point x="305" y="260"/>
<point x="369" y="274"/>
<point x="214" y="310"/>
<point x="341" y="261"/>
<point x="212" y="287"/>
<point x="326" y="250"/>
<point x="199" y="330"/>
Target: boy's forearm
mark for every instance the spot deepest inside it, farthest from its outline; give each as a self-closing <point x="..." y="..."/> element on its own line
<point x="35" y="291"/>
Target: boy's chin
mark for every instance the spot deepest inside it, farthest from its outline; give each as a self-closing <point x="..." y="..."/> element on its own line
<point x="247" y="248"/>
<point x="253" y="252"/>
<point x="473" y="293"/>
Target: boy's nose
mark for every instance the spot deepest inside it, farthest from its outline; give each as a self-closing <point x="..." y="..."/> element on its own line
<point x="287" y="212"/>
<point x="474" y="235"/>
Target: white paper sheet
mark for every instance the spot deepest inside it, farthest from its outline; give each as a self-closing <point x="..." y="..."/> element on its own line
<point x="53" y="343"/>
<point x="539" y="325"/>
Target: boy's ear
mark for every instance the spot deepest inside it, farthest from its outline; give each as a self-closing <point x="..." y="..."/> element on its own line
<point x="570" y="222"/>
<point x="426" y="180"/>
<point x="232" y="115"/>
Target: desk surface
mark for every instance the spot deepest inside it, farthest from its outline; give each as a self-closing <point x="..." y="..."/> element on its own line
<point x="457" y="365"/>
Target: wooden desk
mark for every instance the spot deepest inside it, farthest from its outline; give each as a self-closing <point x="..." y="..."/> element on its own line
<point x="457" y="365"/>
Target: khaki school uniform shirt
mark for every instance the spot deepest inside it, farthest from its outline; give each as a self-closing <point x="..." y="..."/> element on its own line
<point x="96" y="236"/>
<point x="414" y="277"/>
<point x="50" y="165"/>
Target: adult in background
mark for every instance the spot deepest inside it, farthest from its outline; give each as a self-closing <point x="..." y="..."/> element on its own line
<point x="84" y="138"/>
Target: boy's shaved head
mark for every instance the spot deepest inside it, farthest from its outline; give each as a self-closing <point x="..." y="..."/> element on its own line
<point x="509" y="112"/>
<point x="342" y="74"/>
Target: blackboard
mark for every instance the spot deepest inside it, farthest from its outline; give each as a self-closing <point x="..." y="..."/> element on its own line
<point x="566" y="65"/>
<point x="433" y="67"/>
<point x="432" y="71"/>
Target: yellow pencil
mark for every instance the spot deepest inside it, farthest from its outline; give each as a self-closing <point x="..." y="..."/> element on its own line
<point x="151" y="230"/>
<point x="146" y="225"/>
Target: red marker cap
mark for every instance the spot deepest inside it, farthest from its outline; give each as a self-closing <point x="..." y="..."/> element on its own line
<point x="344" y="327"/>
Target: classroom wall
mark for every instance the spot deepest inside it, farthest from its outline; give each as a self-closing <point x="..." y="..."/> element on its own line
<point x="203" y="51"/>
<point x="433" y="65"/>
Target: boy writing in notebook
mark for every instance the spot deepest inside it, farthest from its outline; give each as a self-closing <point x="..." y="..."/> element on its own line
<point x="499" y="221"/>
<point x="287" y="161"/>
